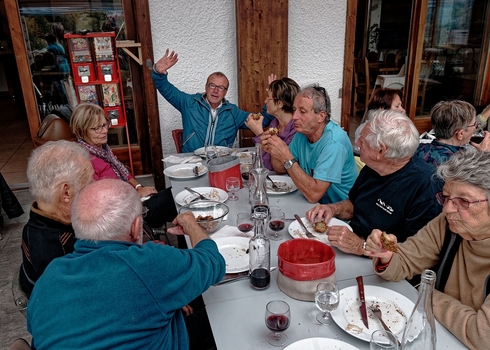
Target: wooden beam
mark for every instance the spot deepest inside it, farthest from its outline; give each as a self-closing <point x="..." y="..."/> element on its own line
<point x="350" y="38"/>
<point x="141" y="14"/>
<point x="22" y="60"/>
<point x="262" y="49"/>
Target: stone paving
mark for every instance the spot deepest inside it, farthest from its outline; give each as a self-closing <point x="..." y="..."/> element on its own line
<point x="12" y="322"/>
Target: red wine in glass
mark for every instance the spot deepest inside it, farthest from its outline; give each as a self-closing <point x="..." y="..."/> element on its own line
<point x="245" y="175"/>
<point x="260" y="278"/>
<point x="277" y="323"/>
<point x="245" y="227"/>
<point x="276" y="225"/>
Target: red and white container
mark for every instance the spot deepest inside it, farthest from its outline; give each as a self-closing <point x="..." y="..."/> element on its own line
<point x="222" y="168"/>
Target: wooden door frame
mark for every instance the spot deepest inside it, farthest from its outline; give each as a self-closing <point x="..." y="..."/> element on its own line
<point x="414" y="58"/>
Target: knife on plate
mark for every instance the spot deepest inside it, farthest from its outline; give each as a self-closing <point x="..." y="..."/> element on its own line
<point x="362" y="308"/>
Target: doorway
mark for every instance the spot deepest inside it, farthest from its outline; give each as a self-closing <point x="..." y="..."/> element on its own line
<point x="16" y="144"/>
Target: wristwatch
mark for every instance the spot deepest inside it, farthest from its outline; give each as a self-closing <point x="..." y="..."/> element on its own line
<point x="288" y="164"/>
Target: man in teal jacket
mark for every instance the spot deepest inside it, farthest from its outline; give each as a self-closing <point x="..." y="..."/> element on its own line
<point x="108" y="294"/>
<point x="207" y="118"/>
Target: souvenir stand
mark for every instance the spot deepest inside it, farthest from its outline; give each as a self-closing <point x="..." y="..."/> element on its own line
<point x="95" y="66"/>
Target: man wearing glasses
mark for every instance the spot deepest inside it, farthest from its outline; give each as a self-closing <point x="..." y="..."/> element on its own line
<point x="208" y="118"/>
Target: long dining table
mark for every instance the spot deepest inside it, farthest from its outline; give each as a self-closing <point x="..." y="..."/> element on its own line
<point x="236" y="311"/>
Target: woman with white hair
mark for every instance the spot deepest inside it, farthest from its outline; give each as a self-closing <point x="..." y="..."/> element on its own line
<point x="456" y="245"/>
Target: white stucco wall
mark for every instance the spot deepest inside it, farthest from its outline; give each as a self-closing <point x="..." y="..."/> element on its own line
<point x="203" y="33"/>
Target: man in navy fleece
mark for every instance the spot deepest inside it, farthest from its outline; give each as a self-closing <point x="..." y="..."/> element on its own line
<point x="107" y="294"/>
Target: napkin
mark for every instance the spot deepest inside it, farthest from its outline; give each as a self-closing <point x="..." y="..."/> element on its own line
<point x="182" y="160"/>
<point x="230" y="231"/>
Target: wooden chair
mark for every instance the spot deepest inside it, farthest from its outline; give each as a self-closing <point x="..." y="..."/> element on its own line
<point x="177" y="136"/>
<point x="362" y="85"/>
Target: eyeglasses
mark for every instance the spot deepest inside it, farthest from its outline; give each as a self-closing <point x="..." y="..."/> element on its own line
<point x="219" y="87"/>
<point x="99" y="128"/>
<point x="477" y="125"/>
<point x="459" y="203"/>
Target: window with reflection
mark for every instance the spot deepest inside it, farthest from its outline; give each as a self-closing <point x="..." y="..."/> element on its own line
<point x="452" y="52"/>
<point x="44" y="24"/>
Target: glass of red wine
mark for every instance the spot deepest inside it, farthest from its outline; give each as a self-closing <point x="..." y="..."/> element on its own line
<point x="277" y="319"/>
<point x="245" y="172"/>
<point x="276" y="223"/>
<point x="244" y="222"/>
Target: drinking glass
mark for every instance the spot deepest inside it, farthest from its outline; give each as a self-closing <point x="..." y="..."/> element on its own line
<point x="245" y="172"/>
<point x="232" y="185"/>
<point x="244" y="222"/>
<point x="211" y="152"/>
<point x="276" y="223"/>
<point x="326" y="300"/>
<point x="277" y="319"/>
<point x="477" y="136"/>
<point x="383" y="340"/>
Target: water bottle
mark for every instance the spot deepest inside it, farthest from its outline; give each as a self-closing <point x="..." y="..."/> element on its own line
<point x="259" y="253"/>
<point x="420" y="332"/>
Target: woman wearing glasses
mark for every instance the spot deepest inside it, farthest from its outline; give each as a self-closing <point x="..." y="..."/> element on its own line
<point x="278" y="103"/>
<point x="461" y="302"/>
<point x="90" y="125"/>
<point x="453" y="122"/>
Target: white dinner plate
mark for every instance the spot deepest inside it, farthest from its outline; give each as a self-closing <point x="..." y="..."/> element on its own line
<point x="320" y="344"/>
<point x="185" y="171"/>
<point x="395" y="308"/>
<point x="245" y="157"/>
<point x="211" y="193"/>
<point x="285" y="184"/>
<point x="235" y="252"/>
<point x="296" y="231"/>
<point x="222" y="151"/>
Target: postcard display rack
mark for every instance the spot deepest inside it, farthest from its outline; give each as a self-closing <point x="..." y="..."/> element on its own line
<point x="95" y="66"/>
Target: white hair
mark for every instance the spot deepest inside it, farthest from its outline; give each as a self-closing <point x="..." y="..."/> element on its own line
<point x="105" y="210"/>
<point x="395" y="131"/>
<point x="54" y="163"/>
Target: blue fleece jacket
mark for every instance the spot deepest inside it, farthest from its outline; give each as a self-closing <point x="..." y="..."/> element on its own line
<point x="119" y="295"/>
<point x="198" y="125"/>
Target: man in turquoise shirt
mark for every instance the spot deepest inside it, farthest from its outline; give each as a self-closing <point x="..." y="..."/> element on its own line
<point x="319" y="160"/>
<point x="108" y="294"/>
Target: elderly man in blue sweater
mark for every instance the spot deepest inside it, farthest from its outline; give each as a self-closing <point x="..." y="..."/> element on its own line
<point x="207" y="118"/>
<point x="108" y="294"/>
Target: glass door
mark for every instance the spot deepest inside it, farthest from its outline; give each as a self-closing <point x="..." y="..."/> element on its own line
<point x="453" y="53"/>
<point x="44" y="23"/>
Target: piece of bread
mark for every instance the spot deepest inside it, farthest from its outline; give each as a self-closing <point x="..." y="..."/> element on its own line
<point x="320" y="226"/>
<point x="273" y="131"/>
<point x="387" y="243"/>
<point x="256" y="116"/>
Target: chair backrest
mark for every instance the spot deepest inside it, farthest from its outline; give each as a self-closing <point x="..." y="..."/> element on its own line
<point x="53" y="128"/>
<point x="177" y="136"/>
<point x="361" y="72"/>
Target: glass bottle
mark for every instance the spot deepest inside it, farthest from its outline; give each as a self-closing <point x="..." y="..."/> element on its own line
<point x="420" y="332"/>
<point x="260" y="198"/>
<point x="259" y="253"/>
<point x="258" y="163"/>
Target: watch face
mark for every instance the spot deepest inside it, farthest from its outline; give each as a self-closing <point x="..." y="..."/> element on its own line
<point x="288" y="164"/>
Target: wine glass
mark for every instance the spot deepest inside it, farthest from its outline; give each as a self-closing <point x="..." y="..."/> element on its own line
<point x="232" y="185"/>
<point x="244" y="222"/>
<point x="326" y="300"/>
<point x="277" y="319"/>
<point x="245" y="172"/>
<point x="383" y="340"/>
<point x="276" y="223"/>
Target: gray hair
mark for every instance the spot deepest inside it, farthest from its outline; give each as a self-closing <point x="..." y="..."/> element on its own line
<point x="395" y="131"/>
<point x="54" y="163"/>
<point x="447" y="117"/>
<point x="469" y="166"/>
<point x="105" y="210"/>
<point x="321" y="100"/>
